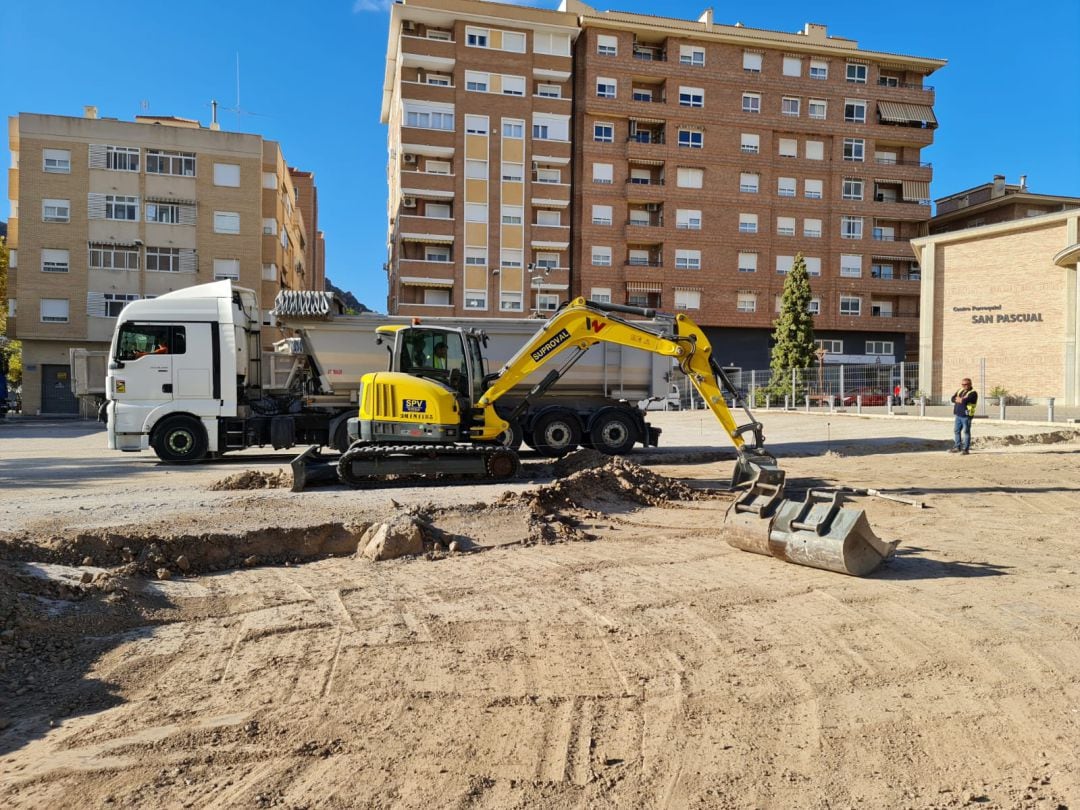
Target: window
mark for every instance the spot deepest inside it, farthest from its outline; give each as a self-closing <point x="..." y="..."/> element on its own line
<point x="513" y="128"/>
<point x="813" y="306"/>
<point x="548" y="176"/>
<point x="853" y="189"/>
<point x="476" y="212"/>
<point x="748" y="223"/>
<point x="747" y="262"/>
<point x="830" y="346"/>
<point x="163" y="260"/>
<point x="817" y="108"/>
<point x="855" y="111"/>
<point x="476" y="256"/>
<point x="269" y="180"/>
<point x="226" y="269"/>
<point x="819" y="69"/>
<point x="748" y="182"/>
<point x="750" y="143"/>
<point x="181" y="164"/>
<point x="879" y="347"/>
<point x="813" y="265"/>
<point x="57" y="161"/>
<point x="641" y="177"/>
<point x="641" y="94"/>
<point x="116" y="207"/>
<point x="554" y="44"/>
<point x="437" y="210"/>
<point x="850" y="265"/>
<point x="784" y="263"/>
<point x="112" y="257"/>
<point x="513" y="172"/>
<point x="437" y="79"/>
<point x="785" y="186"/>
<point x="547" y="302"/>
<point x="547" y="261"/>
<point x="850" y="305"/>
<point x="227" y="222"/>
<point x="881" y="270"/>
<point x="437" y="297"/>
<point x="790" y="106"/>
<point x="513" y="85"/>
<point x="638" y="257"/>
<point x="691" y="138"/>
<point x="751" y="102"/>
<point x="687" y="219"/>
<point x="227" y="174"/>
<point x="691" y="55"/>
<point x="689" y="178"/>
<point x="55" y="261"/>
<point x="856" y="73"/>
<point x="792" y="66"/>
<point x="437" y="166"/>
<point x="436" y="253"/>
<point x="477" y="82"/>
<point x="606" y="88"/>
<point x="639" y="216"/>
<point x="746" y="302"/>
<point x="475" y="299"/>
<point x="476" y="37"/>
<point x="476" y="124"/>
<point x="687" y="299"/>
<point x="789" y="147"/>
<point x="688" y="259"/>
<point x="548" y="127"/>
<point x="601" y="256"/>
<point x="888" y="158"/>
<point x="512" y="214"/>
<point x="55" y="210"/>
<point x="510" y="301"/>
<point x="122" y="158"/>
<point x="812" y="189"/>
<point x="54" y="310"/>
<point x="812" y="228"/>
<point x="603" y="173"/>
<point x="785" y="226"/>
<point x="815" y="150"/>
<point x="691" y="97"/>
<point x="513" y="41"/>
<point x="885" y="233"/>
<point x="604" y="133"/>
<point x="601" y="215"/>
<point x="751" y="62"/>
<point x="851" y="227"/>
<point x="511" y="257"/>
<point x="548" y="91"/>
<point x="476" y="169"/>
<point x="601" y="295"/>
<point x="108" y="305"/>
<point x="169" y="214"/>
<point x="607" y="45"/>
<point x="427" y="116"/>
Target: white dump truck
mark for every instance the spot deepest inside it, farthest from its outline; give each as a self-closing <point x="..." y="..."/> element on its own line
<point x="187" y="375"/>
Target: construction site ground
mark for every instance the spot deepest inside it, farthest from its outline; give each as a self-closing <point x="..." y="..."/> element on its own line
<point x="566" y="640"/>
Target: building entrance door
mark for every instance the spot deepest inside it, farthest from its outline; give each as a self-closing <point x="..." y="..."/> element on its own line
<point x="56" y="396"/>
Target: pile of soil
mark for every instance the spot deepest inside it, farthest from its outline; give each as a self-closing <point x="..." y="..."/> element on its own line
<point x="1055" y="437"/>
<point x="616" y="480"/>
<point x="253" y="479"/>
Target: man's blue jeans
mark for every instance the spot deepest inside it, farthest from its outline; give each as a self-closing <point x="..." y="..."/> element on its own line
<point x="962" y="430"/>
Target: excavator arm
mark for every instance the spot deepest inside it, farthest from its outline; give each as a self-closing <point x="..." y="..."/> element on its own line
<point x="581" y="324"/>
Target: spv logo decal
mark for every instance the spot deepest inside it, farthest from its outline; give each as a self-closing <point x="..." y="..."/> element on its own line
<point x="414" y="406"/>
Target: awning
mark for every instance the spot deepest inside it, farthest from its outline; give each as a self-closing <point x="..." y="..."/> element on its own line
<point x="679" y="288"/>
<point x="890" y="180"/>
<point x="550" y="160"/>
<point x="169" y="200"/>
<point x="906" y="113"/>
<point x="543" y="202"/>
<point x="547" y="73"/>
<point x="637" y="119"/>
<point x="644" y="162"/>
<point x="420" y="281"/>
<point x="878" y="258"/>
<point x="100" y="244"/>
<point x="427" y="150"/>
<point x="431" y="238"/>
<point x="916" y="190"/>
<point x="551" y="286"/>
<point x="643" y="286"/>
<point x="427" y="193"/>
<point x="542" y="245"/>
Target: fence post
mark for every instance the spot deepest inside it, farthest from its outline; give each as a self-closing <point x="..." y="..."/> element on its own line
<point x="830" y="403"/>
<point x="888" y="405"/>
<point x="787" y="401"/>
<point x="858" y="403"/>
<point x="1050" y="410"/>
<point x="1001" y="409"/>
<point x="922" y="406"/>
<point x="807" y="399"/>
<point x="841" y="384"/>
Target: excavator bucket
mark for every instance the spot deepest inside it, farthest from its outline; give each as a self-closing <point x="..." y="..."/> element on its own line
<point x="311" y="469"/>
<point x="819" y="532"/>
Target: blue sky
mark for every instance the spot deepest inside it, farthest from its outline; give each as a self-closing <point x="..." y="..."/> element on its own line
<point x="311" y="78"/>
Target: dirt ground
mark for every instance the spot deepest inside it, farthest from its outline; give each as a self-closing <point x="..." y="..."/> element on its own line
<point x="591" y="642"/>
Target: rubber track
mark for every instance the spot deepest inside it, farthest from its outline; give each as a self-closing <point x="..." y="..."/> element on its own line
<point x="374" y="451"/>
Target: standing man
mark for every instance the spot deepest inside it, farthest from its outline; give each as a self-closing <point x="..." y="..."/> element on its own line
<point x="963" y="409"/>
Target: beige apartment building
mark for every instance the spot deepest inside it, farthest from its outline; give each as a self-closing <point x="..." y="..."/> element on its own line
<point x="104" y="212"/>
<point x="691" y="161"/>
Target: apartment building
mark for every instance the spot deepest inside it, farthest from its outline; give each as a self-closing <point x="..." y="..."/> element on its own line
<point x="994" y="202"/>
<point x="105" y="212"/>
<point x="703" y="158"/>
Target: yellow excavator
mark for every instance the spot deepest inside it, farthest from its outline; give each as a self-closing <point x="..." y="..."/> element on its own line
<point x="437" y="416"/>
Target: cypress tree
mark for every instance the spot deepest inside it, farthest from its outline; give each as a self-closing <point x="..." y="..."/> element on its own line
<point x="793" y="334"/>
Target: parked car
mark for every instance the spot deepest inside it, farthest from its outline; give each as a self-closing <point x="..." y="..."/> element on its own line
<point x="869" y="397"/>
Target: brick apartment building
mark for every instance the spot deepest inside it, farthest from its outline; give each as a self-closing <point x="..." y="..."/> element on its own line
<point x="676" y="163"/>
<point x="105" y="211"/>
<point x="994" y="202"/>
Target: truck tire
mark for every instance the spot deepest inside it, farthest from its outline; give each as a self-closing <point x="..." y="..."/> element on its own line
<point x="556" y="433"/>
<point x="613" y="433"/>
<point x="513" y="441"/>
<point x="180" y="439"/>
<point x="340" y="440"/>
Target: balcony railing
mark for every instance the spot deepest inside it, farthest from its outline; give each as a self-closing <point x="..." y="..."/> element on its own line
<point x="637" y="182"/>
<point x="658" y="223"/>
<point x="651" y="99"/>
<point x="895" y="162"/>
<point x="632" y="262"/>
<point x="646" y="54"/>
<point x="884" y="82"/>
<point x="896" y="276"/>
<point x="646" y="138"/>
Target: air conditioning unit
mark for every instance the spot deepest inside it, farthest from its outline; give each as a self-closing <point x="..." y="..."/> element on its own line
<point x="409" y="158"/>
<point x="652" y="206"/>
<point x="408" y="25"/>
<point x="408" y="202"/>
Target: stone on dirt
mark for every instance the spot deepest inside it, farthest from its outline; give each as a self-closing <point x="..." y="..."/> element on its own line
<point x="399" y="537"/>
<point x="253" y="479"/>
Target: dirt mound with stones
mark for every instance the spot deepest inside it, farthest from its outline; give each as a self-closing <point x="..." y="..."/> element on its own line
<point x="616" y="480"/>
<point x="1054" y="437"/>
<point x="253" y="479"/>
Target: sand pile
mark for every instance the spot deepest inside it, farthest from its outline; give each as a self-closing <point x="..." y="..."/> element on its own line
<point x="253" y="479"/>
<point x="1054" y="437"/>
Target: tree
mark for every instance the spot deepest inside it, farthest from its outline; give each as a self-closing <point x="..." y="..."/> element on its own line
<point x="794" y="334"/>
<point x="10" y="350"/>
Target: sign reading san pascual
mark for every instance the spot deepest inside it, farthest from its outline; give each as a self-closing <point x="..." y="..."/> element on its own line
<point x="993" y="314"/>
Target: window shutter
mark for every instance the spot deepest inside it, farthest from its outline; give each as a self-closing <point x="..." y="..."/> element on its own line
<point x="189" y="261"/>
<point x="97" y="156"/>
<point x="95" y="305"/>
<point x="186" y="215"/>
<point x="95" y="204"/>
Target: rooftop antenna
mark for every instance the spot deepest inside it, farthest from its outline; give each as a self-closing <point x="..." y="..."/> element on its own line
<point x="238" y="109"/>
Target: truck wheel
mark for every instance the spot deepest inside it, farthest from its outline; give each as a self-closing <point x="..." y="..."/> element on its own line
<point x="613" y="433"/>
<point x="556" y="433"/>
<point x="180" y="439"/>
<point x="515" y="437"/>
<point x="341" y="441"/>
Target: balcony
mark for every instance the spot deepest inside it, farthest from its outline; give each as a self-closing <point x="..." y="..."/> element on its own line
<point x="415" y="227"/>
<point x="422" y="91"/>
<point x="418" y="50"/>
<point x="418" y="182"/>
<point x="550" y="236"/>
<point x="649" y="53"/>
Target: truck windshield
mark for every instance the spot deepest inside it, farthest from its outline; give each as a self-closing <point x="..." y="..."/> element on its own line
<point x="137" y="340"/>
